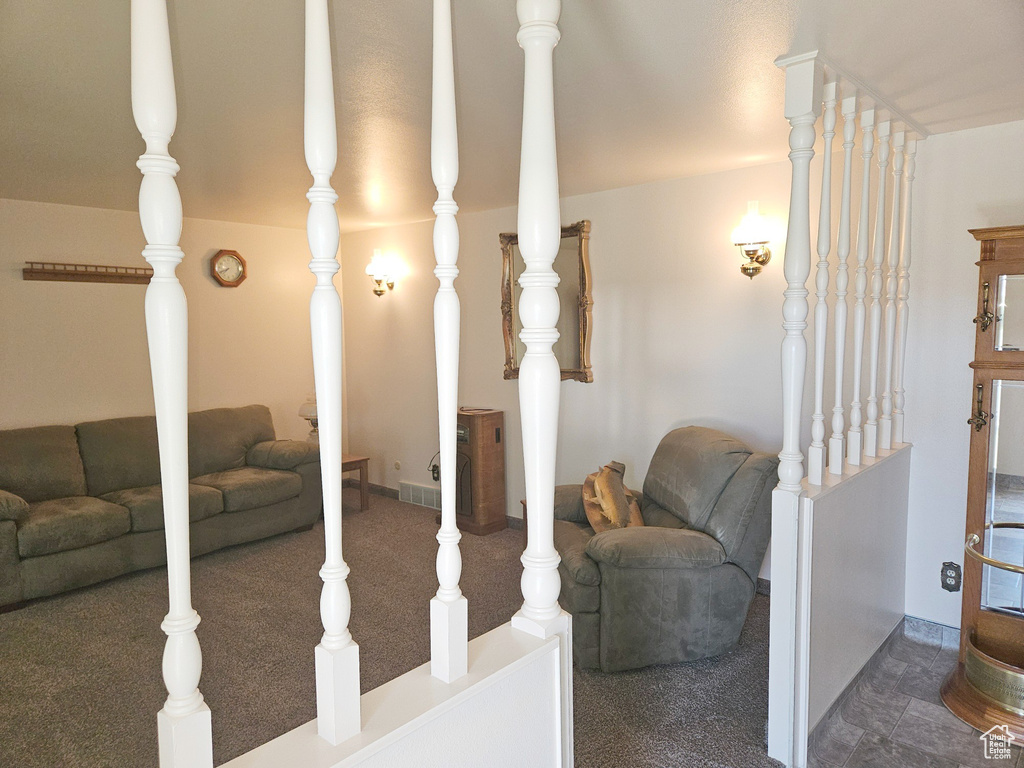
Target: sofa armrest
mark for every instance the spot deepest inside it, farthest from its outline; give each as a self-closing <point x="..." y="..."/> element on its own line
<point x="12" y="507"/>
<point x="650" y="547"/>
<point x="569" y="504"/>
<point x="571" y="543"/>
<point x="282" y="454"/>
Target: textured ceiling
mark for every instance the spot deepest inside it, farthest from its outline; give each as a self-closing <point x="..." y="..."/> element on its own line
<point x="645" y="90"/>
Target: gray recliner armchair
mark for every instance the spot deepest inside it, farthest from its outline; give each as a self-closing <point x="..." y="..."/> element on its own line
<point x="679" y="587"/>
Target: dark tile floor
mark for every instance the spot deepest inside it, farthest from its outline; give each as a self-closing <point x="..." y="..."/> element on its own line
<point x="893" y="717"/>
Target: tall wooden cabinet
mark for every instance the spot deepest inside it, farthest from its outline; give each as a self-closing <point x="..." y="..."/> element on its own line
<point x="986" y="689"/>
<point x="480" y="468"/>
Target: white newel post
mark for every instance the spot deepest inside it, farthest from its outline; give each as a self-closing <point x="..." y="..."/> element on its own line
<point x="855" y="446"/>
<point x="885" y="422"/>
<point x="836" y="443"/>
<point x="878" y="258"/>
<point x="449" y="622"/>
<point x="539" y="373"/>
<point x="803" y="103"/>
<point x="903" y="296"/>
<point x="183" y="725"/>
<point x="816" y="451"/>
<point x="337" y="655"/>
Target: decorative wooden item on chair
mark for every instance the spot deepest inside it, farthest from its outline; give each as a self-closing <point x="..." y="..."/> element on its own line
<point x="986" y="689"/>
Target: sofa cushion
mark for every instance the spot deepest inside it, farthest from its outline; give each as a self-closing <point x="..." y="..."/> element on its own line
<point x="689" y="471"/>
<point x="12" y="507"/>
<point x="119" y="453"/>
<point x="282" y="454"/>
<point x="69" y="523"/>
<point x="146" y="505"/>
<point x="219" y="439"/>
<point x="741" y="521"/>
<point x="647" y="547"/>
<point x="41" y="463"/>
<point x="250" y="487"/>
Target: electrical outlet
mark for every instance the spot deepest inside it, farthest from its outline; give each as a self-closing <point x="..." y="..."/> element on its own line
<point x="952" y="577"/>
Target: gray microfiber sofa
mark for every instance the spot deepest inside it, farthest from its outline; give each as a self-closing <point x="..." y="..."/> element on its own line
<point x="679" y="587"/>
<point x="82" y="504"/>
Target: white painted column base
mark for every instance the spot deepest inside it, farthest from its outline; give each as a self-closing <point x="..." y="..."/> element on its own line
<point x="337" y="693"/>
<point x="854" y="448"/>
<point x="836" y="452"/>
<point x="897" y="428"/>
<point x="816" y="464"/>
<point x="886" y="433"/>
<point x="560" y="626"/>
<point x="449" y="632"/>
<point x="185" y="741"/>
<point x="870" y="439"/>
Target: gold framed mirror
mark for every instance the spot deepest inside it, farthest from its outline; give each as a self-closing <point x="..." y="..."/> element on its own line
<point x="572" y="263"/>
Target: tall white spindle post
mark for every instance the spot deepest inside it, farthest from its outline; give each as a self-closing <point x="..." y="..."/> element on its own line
<point x="803" y="103"/>
<point x="836" y="443"/>
<point x="337" y="655"/>
<point x="855" y="445"/>
<point x="816" y="451"/>
<point x="449" y="621"/>
<point x="878" y="258"/>
<point x="183" y="725"/>
<point x="885" y="422"/>
<point x="903" y="297"/>
<point x="539" y="373"/>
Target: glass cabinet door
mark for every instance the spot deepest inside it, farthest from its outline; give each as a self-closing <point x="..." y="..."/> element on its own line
<point x="1003" y="590"/>
<point x="999" y="321"/>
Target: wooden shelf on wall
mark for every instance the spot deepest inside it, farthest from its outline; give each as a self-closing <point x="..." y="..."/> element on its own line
<point x="85" y="273"/>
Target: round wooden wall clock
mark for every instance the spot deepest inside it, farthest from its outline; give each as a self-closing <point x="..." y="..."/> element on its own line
<point x="227" y="268"/>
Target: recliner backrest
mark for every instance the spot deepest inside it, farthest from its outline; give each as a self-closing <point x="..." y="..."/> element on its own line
<point x="741" y="519"/>
<point x="689" y="471"/>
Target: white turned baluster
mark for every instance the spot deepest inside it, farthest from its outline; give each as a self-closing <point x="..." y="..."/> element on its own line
<point x="816" y="451"/>
<point x="885" y="422"/>
<point x="337" y="655"/>
<point x="183" y="725"/>
<point x="878" y="253"/>
<point x="855" y="445"/>
<point x="539" y="373"/>
<point x="903" y="296"/>
<point x="836" y="453"/>
<point x="449" y="622"/>
<point x="787" y="713"/>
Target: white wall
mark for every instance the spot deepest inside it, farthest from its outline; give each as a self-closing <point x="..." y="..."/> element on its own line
<point x="680" y="336"/>
<point x="965" y="180"/>
<point x="71" y="352"/>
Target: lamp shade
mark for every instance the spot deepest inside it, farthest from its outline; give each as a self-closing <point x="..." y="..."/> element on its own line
<point x="752" y="229"/>
<point x="308" y="409"/>
<point x="377" y="268"/>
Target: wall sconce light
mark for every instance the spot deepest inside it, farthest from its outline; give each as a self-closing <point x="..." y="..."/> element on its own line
<point x="381" y="273"/>
<point x="307" y="411"/>
<point x="752" y="237"/>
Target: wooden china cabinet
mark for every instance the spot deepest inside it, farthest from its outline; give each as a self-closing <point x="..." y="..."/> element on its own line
<point x="986" y="689"/>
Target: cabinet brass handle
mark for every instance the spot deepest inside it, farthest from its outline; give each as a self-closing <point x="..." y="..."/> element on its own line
<point x="974" y="539"/>
<point x="980" y="418"/>
<point x="984" y="320"/>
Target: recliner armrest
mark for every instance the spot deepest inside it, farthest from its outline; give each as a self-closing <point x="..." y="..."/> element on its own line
<point x="571" y="542"/>
<point x="282" y="454"/>
<point x="651" y="547"/>
<point x="12" y="507"/>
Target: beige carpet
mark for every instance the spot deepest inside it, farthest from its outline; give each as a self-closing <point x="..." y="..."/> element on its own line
<point x="80" y="673"/>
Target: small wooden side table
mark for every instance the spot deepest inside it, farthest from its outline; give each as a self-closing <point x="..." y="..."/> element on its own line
<point x="351" y="463"/>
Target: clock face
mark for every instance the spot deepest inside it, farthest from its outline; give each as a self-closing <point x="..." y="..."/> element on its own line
<point x="228" y="268"/>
